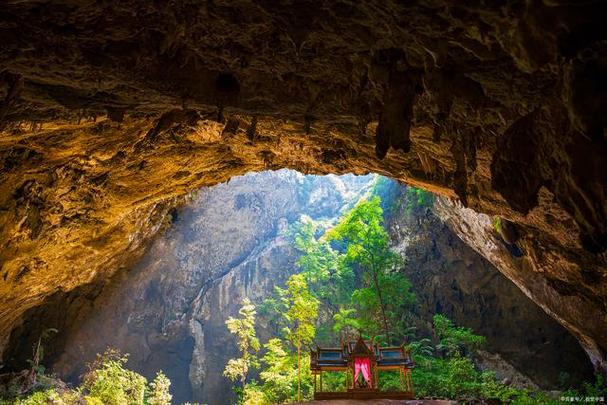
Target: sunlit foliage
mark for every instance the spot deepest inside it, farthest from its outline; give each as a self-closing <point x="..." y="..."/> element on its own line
<point x="356" y="274"/>
<point x="455" y="340"/>
<point x="301" y="311"/>
<point x="159" y="390"/>
<point x="106" y="382"/>
<point x="280" y="374"/>
<point x="111" y="383"/>
<point x="354" y="281"/>
<point x="243" y="328"/>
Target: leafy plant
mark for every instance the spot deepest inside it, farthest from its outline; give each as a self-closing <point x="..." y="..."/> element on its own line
<point x="346" y="323"/>
<point x="301" y="313"/>
<point x="42" y="398"/>
<point x="36" y="361"/>
<point x="254" y="395"/>
<point x="243" y="328"/>
<point x="596" y="389"/>
<point x="455" y="340"/>
<point x="381" y="290"/>
<point x="497" y="224"/>
<point x="417" y="198"/>
<point x="108" y="381"/>
<point x="280" y="373"/>
<point x="159" y="390"/>
<point x="335" y="381"/>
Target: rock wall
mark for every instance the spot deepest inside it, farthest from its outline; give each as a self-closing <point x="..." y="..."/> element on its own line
<point x="530" y="271"/>
<point x="451" y="278"/>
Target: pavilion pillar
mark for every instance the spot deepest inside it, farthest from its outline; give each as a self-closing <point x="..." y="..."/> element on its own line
<point x="321" y="381"/>
<point x="376" y="379"/>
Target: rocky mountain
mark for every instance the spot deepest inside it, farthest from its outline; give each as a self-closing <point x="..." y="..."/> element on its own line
<point x="168" y="309"/>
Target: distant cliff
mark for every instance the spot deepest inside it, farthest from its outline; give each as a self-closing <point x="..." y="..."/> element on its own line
<point x="449" y="277"/>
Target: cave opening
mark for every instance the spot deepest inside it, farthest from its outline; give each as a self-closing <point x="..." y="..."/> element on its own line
<point x="112" y="113"/>
<point x="241" y="239"/>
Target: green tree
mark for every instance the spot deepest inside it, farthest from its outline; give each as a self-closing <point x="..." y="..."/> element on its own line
<point x="253" y="395"/>
<point x="320" y="263"/>
<point x="455" y="340"/>
<point x="417" y="199"/>
<point x="243" y="328"/>
<point x="384" y="291"/>
<point x="159" y="390"/>
<point x="346" y="323"/>
<point x="279" y="372"/>
<point x="329" y="280"/>
<point x="301" y="314"/>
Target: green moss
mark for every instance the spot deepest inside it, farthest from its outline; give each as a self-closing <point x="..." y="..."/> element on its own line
<point x="497" y="224"/>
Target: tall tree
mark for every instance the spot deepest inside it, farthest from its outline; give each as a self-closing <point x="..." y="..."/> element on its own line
<point x="279" y="372"/>
<point x="330" y="281"/>
<point x="243" y="328"/>
<point x="319" y="263"/>
<point x="366" y="244"/>
<point x="301" y="314"/>
<point x="356" y="275"/>
<point x="361" y="235"/>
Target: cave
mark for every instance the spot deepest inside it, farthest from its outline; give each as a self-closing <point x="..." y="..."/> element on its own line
<point x="113" y="115"/>
<point x="168" y="309"/>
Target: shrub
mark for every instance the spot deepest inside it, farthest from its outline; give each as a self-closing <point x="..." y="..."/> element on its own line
<point x="253" y="394"/>
<point x="108" y="381"/>
<point x="455" y="340"/>
<point x="598" y="389"/>
<point x="418" y="199"/>
<point x="50" y="396"/>
<point x="390" y="381"/>
<point x="160" y="394"/>
<point x="497" y="224"/>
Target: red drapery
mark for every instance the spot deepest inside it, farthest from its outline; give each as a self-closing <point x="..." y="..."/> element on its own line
<point x="362" y="365"/>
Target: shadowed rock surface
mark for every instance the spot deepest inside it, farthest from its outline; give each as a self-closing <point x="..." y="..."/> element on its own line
<point x="111" y="113"/>
<point x="451" y="278"/>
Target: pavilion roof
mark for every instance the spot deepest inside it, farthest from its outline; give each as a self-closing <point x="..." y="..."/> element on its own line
<point x="362" y="348"/>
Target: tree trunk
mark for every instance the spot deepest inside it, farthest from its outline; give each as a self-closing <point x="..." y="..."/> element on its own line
<point x="379" y="296"/>
<point x="243" y="379"/>
<point x="298" y="369"/>
<point x="381" y="304"/>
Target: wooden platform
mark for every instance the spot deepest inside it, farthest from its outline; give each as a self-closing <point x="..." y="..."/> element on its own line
<point x="366" y="394"/>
